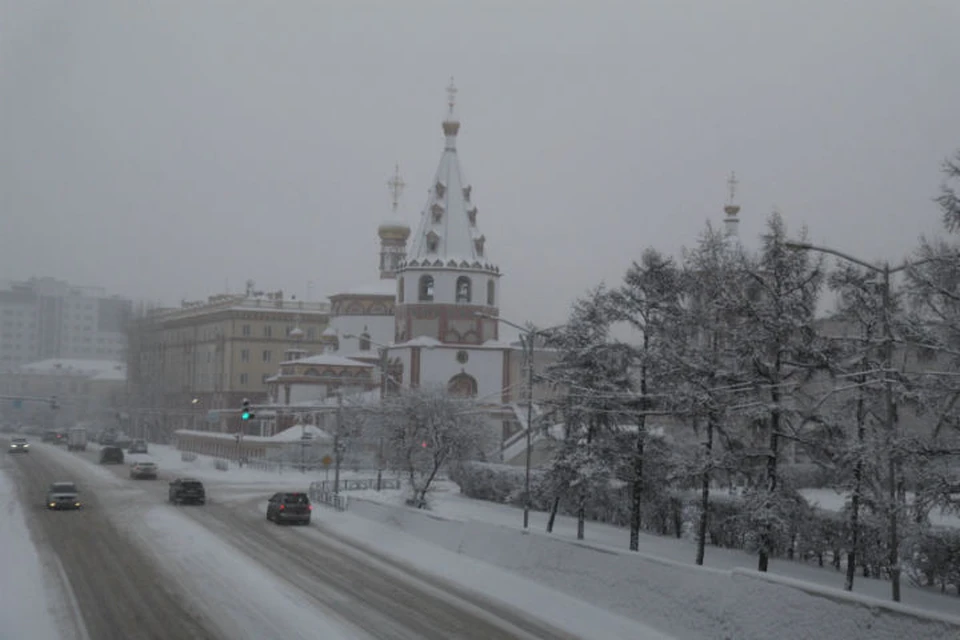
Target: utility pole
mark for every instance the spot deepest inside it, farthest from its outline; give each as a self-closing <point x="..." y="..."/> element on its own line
<point x="336" y="443"/>
<point x="526" y="481"/>
<point x="383" y="394"/>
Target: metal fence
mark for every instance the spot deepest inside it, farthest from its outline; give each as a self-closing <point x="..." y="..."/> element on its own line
<point x="358" y="484"/>
<point x="339" y="501"/>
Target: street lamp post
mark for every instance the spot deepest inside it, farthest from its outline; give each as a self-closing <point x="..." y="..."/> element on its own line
<point x="884" y="270"/>
<point x="527" y="337"/>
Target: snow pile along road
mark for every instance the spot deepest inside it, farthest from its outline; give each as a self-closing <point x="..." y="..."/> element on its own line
<point x="691" y="602"/>
<point x="33" y="602"/>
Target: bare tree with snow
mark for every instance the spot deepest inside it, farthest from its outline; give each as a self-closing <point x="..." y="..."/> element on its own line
<point x="426" y="429"/>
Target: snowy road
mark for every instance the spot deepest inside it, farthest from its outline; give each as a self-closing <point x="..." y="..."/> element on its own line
<point x="145" y="569"/>
<point x="118" y="588"/>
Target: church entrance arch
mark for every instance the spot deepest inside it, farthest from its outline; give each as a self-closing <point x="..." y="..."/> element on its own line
<point x="463" y="385"/>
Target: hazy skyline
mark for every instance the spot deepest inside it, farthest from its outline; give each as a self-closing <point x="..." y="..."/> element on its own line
<point x="162" y="149"/>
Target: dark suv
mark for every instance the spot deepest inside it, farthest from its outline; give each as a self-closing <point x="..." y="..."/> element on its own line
<point x="111" y="455"/>
<point x="184" y="490"/>
<point x="289" y="507"/>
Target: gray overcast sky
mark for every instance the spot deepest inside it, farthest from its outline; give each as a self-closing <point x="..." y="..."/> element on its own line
<point x="160" y="148"/>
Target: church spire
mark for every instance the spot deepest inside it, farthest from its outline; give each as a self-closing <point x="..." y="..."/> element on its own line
<point x="448" y="228"/>
<point x="731" y="222"/>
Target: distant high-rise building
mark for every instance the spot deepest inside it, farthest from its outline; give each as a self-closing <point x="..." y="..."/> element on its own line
<point x="44" y="318"/>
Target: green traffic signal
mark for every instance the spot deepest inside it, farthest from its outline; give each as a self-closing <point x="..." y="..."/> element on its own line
<point x="245" y="415"/>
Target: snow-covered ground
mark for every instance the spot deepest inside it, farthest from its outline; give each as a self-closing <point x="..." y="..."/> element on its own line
<point x="627" y="587"/>
<point x="562" y="610"/>
<point x="33" y="602"/>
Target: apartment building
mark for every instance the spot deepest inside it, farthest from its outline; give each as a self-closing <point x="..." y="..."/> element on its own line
<point x="45" y="318"/>
<point x="204" y="356"/>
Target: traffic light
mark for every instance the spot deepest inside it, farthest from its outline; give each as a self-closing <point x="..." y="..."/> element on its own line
<point x="247" y="413"/>
<point x="18" y="404"/>
<point x="53" y="402"/>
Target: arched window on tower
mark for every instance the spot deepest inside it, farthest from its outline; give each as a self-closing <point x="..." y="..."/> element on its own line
<point x="491" y="292"/>
<point x="433" y="242"/>
<point x="399" y="289"/>
<point x="426" y="289"/>
<point x="463" y="289"/>
<point x="364" y="341"/>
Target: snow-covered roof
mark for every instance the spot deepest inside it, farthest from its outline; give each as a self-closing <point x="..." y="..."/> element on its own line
<point x="449" y="215"/>
<point x="329" y="332"/>
<point x="328" y="360"/>
<point x="296" y="432"/>
<point x="421" y="341"/>
<point x="360" y="355"/>
<point x="384" y="287"/>
<point x="96" y="369"/>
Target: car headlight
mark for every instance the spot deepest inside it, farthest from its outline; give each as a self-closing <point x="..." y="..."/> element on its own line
<point x="76" y="504"/>
<point x="53" y="504"/>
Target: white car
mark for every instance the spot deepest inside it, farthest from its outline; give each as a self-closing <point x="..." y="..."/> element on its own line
<point x="19" y="445"/>
<point x="143" y="471"/>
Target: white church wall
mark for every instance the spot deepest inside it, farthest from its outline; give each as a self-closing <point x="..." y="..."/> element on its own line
<point x="305" y="392"/>
<point x="439" y="364"/>
<point x="380" y="328"/>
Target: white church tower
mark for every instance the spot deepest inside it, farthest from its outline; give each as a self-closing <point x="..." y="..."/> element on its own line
<point x="445" y="283"/>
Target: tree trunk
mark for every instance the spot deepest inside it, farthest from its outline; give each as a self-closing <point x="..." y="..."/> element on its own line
<point x="766" y="537"/>
<point x="553" y="513"/>
<point x="705" y="492"/>
<point x="581" y="512"/>
<point x="637" y="490"/>
<point x="855" y="498"/>
<point x="637" y="497"/>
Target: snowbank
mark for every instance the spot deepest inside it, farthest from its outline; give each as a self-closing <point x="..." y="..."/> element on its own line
<point x="32" y="604"/>
<point x="692" y="602"/>
<point x="575" y="616"/>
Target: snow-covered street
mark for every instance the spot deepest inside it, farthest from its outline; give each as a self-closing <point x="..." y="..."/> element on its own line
<point x="34" y="601"/>
<point x="241" y="577"/>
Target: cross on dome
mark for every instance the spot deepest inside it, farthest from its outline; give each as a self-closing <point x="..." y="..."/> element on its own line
<point x="451" y="95"/>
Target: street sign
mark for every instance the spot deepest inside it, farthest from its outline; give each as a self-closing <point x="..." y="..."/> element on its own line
<point x="213" y="417"/>
<point x="326" y="461"/>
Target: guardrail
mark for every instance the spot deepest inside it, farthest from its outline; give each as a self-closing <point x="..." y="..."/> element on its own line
<point x="338" y="501"/>
<point x="358" y="484"/>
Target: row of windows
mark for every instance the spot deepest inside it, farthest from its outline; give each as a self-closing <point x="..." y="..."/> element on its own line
<point x="266" y="356"/>
<point x="464" y="290"/>
<point x="245" y="379"/>
<point x="246" y="331"/>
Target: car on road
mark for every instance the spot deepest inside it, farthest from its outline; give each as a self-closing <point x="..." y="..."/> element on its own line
<point x="54" y="437"/>
<point x="63" y="495"/>
<point x="289" y="507"/>
<point x="19" y="445"/>
<point x="187" y="490"/>
<point x="143" y="470"/>
<point x="111" y="455"/>
<point x="138" y="446"/>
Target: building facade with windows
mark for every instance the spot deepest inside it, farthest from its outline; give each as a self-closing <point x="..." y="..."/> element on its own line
<point x="44" y="318"/>
<point x="207" y="356"/>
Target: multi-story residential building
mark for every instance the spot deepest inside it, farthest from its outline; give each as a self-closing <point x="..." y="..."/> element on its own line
<point x="206" y="356"/>
<point x="44" y="318"/>
<point x="85" y="390"/>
